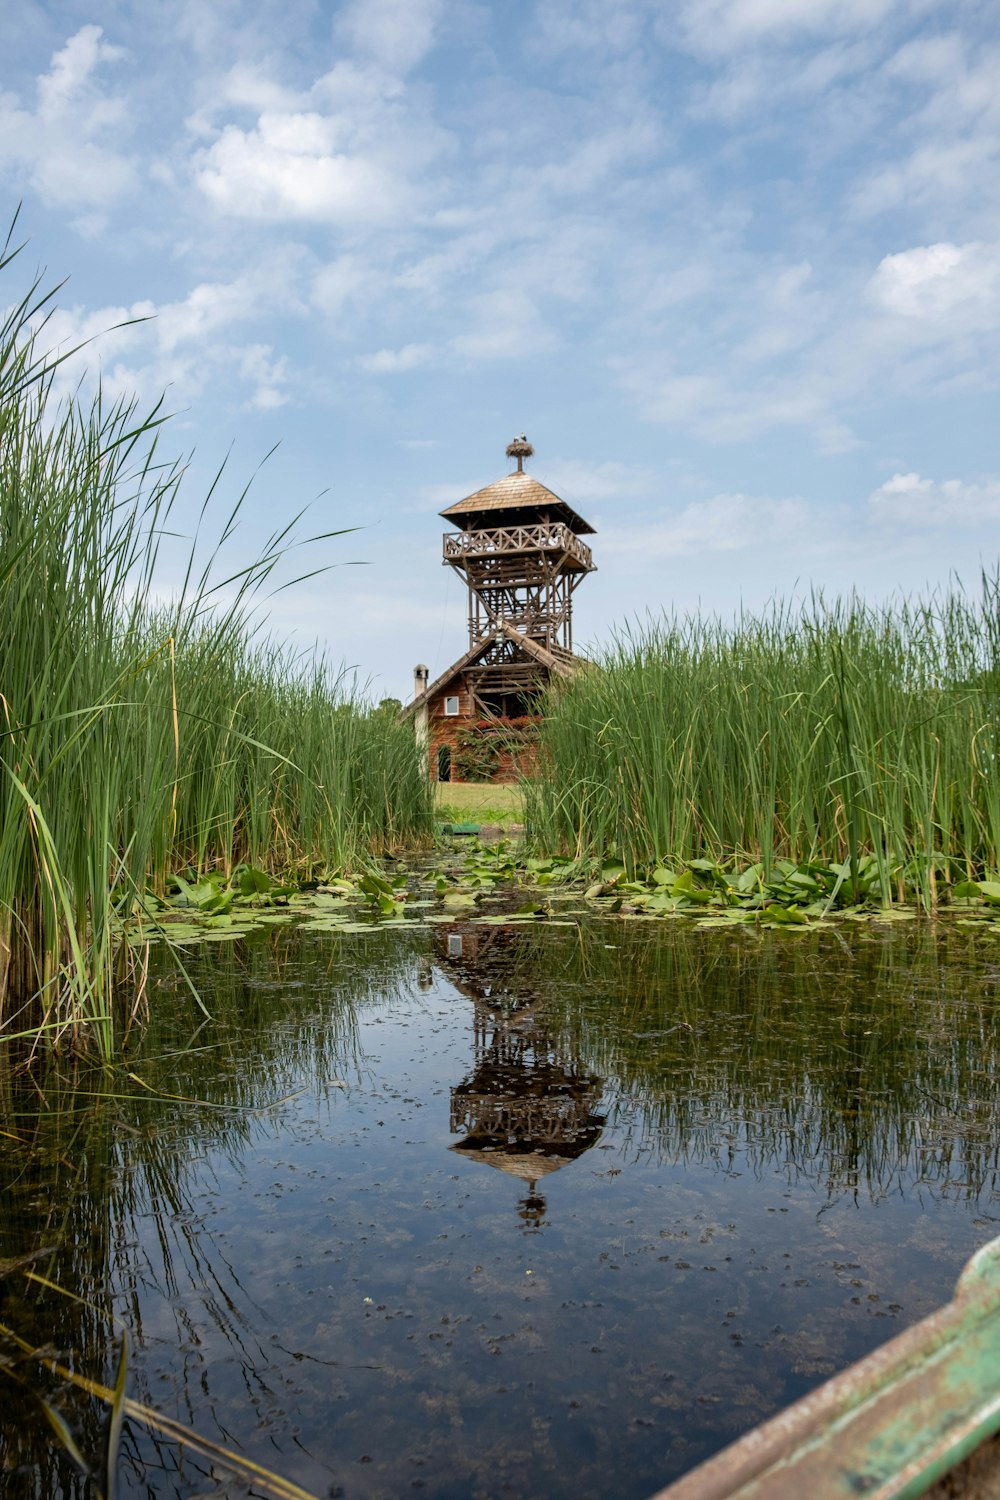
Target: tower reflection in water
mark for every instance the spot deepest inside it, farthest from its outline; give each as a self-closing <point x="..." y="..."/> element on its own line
<point x="526" y="1107"/>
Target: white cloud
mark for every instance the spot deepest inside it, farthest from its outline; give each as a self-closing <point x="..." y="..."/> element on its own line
<point x="432" y="275"/>
<point x="912" y="501"/>
<point x="723" y="523"/>
<point x="575" y="479"/>
<point x="88" y="339"/>
<point x="68" y="148"/>
<point x="722" y="407"/>
<point x="955" y="84"/>
<point x="248" y="86"/>
<point x="928" y="59"/>
<point x="787" y="312"/>
<point x="396" y="34"/>
<point x="757" y="81"/>
<point x="753" y="353"/>
<point x="504" y="324"/>
<point x="939" y="170"/>
<point x="793" y="346"/>
<point x="579" y="170"/>
<point x="607" y="27"/>
<point x="267" y="375"/>
<point x="181" y="345"/>
<point x="930" y="283"/>
<point x="397" y="361"/>
<point x="714" y="26"/>
<point x="348" y="150"/>
<point x="942" y="105"/>
<point x="345" y="285"/>
<point x="290" y="167"/>
<point x="205" y="311"/>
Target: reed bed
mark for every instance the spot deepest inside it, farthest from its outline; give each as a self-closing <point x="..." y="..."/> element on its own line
<point x="816" y="734"/>
<point x="137" y="739"/>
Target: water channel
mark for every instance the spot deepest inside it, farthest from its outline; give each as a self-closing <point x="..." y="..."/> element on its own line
<point x="497" y="1210"/>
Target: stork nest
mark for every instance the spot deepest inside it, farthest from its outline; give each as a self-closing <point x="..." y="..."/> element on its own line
<point x="520" y="448"/>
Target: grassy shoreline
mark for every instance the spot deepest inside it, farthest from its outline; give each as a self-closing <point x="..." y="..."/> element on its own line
<point x="500" y="803"/>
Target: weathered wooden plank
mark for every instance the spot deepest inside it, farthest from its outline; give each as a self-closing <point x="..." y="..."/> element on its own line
<point x="890" y="1426"/>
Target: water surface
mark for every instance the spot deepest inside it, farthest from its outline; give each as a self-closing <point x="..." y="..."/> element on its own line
<point x="491" y="1210"/>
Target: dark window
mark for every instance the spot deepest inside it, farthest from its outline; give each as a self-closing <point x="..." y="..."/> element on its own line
<point x="512" y="705"/>
<point x="444" y="763"/>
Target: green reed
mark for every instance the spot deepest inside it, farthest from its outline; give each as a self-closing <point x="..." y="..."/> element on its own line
<point x="820" y="733"/>
<point x="137" y="739"/>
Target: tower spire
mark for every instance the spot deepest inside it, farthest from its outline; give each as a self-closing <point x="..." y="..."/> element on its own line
<point x="520" y="449"/>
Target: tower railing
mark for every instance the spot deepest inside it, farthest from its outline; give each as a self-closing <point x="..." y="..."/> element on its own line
<point x="541" y="537"/>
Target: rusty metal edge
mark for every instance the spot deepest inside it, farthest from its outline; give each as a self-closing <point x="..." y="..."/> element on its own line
<point x="764" y="1462"/>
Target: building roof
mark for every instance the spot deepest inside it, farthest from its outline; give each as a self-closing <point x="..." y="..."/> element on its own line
<point x="529" y="1166"/>
<point x="517" y="491"/>
<point x="556" y="664"/>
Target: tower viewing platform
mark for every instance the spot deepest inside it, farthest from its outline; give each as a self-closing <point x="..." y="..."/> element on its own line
<point x="520" y="554"/>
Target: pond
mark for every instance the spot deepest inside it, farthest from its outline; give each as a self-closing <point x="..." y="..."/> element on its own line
<point x="486" y="1210"/>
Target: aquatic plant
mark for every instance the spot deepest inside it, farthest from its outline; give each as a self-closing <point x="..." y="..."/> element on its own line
<point x="133" y="739"/>
<point x="822" y="734"/>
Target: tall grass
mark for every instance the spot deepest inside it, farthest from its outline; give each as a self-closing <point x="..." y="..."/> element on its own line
<point x="135" y="739"/>
<point x="821" y="733"/>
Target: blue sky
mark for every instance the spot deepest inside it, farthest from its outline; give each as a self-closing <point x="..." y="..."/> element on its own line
<point x="733" y="265"/>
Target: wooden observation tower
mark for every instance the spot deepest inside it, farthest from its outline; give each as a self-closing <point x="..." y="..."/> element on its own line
<point x="518" y="549"/>
<point x="520" y="554"/>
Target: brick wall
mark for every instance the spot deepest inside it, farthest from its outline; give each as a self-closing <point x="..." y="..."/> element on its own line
<point x="447" y="729"/>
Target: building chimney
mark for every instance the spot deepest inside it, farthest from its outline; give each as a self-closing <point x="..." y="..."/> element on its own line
<point x="420" y="675"/>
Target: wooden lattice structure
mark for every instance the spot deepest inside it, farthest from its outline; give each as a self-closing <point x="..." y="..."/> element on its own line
<point x="518" y="549"/>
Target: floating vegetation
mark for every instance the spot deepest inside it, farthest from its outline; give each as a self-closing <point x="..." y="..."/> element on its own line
<point x="499" y="885"/>
<point x="531" y="887"/>
<point x="502" y="885"/>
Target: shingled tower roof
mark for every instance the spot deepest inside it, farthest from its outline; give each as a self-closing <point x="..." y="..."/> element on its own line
<point x="517" y="492"/>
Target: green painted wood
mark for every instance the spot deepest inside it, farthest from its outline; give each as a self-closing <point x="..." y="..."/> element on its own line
<point x="888" y="1427"/>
